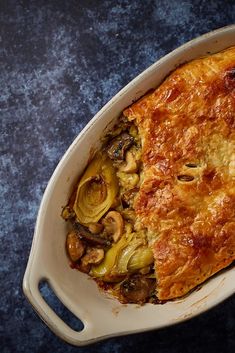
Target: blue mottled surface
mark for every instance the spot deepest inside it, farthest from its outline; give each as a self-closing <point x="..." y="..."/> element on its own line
<point x="60" y="61"/>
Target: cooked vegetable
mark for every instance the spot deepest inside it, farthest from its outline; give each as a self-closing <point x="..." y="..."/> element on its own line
<point x="137" y="289"/>
<point x="128" y="197"/>
<point x="128" y="181"/>
<point x="141" y="258"/>
<point x="83" y="267"/>
<point x="113" y="223"/>
<point x="75" y="246"/>
<point x="133" y="131"/>
<point x="128" y="228"/>
<point x="96" y="190"/>
<point x="145" y="270"/>
<point x="93" y="256"/>
<point x="119" y="145"/>
<point x="95" y="228"/>
<point x="67" y="213"/>
<point x="130" y="166"/>
<point x="105" y="267"/>
<point x="103" y="220"/>
<point x="91" y="238"/>
<point x="126" y="254"/>
<point x="129" y="215"/>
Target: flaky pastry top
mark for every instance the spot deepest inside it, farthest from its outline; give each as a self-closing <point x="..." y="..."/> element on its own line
<point x="186" y="199"/>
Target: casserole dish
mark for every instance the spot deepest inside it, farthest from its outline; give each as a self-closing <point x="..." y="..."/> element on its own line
<point x="48" y="259"/>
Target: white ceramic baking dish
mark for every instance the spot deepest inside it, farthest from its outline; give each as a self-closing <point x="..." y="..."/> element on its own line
<point x="101" y="315"/>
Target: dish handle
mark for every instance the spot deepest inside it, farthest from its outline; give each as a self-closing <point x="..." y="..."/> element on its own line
<point x="48" y="315"/>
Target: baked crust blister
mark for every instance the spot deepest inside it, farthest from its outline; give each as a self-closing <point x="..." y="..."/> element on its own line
<point x="187" y="197"/>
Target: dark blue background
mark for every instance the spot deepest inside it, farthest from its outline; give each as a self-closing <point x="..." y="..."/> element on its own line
<point x="60" y="62"/>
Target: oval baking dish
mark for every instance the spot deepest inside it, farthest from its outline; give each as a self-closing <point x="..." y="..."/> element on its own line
<point x="48" y="260"/>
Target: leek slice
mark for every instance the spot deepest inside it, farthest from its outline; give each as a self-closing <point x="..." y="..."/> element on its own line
<point x="107" y="265"/>
<point x="142" y="257"/>
<point x="125" y="256"/>
<point x="96" y="190"/>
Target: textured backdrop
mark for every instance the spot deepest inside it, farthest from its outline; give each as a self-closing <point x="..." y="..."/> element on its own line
<point x="60" y="62"/>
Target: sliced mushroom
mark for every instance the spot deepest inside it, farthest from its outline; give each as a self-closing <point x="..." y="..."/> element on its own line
<point x="137" y="289"/>
<point x="75" y="246"/>
<point x="119" y="145"/>
<point x="83" y="267"/>
<point x="83" y="233"/>
<point x="93" y="256"/>
<point x="130" y="166"/>
<point x="96" y="228"/>
<point x="114" y="225"/>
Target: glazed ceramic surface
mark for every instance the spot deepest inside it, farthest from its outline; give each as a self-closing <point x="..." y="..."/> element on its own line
<point x="101" y="315"/>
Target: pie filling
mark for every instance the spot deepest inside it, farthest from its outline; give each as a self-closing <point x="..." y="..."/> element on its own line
<point x="106" y="239"/>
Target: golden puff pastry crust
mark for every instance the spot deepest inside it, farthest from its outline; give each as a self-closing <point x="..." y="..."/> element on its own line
<point x="187" y="195"/>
